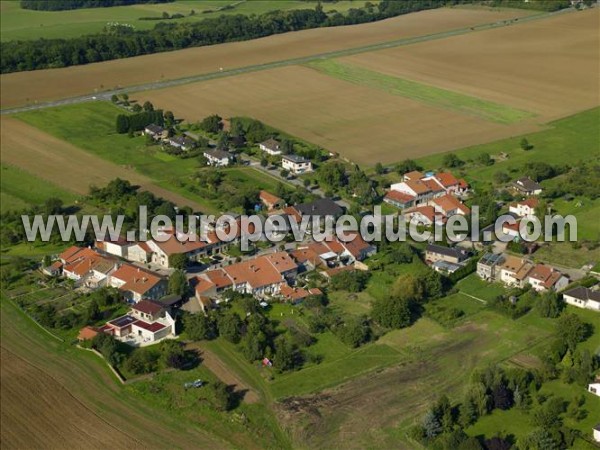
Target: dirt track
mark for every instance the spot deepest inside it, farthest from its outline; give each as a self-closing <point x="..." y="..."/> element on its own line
<point x="68" y="166"/>
<point x="213" y="363"/>
<point x="44" y="85"/>
<point x="37" y="412"/>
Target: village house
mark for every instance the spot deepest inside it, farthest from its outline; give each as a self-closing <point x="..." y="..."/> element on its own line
<point x="514" y="271"/>
<point x="136" y="283"/>
<point x="261" y="277"/>
<point x="218" y="158"/>
<point x="418" y="189"/>
<point x="399" y="199"/>
<point x="526" y="186"/>
<point x="296" y="164"/>
<point x="86" y="267"/>
<point x="487" y="266"/>
<point x="296" y="295"/>
<point x="583" y="297"/>
<point x="448" y="205"/>
<point x="184" y="143"/>
<point x="524" y="208"/>
<point x="319" y="208"/>
<point x="543" y="278"/>
<point x="453" y="255"/>
<point x="594" y="388"/>
<point x="117" y="247"/>
<point x="156" y="132"/>
<point x="355" y="248"/>
<point x="172" y="243"/>
<point x="511" y="229"/>
<point x="271" y="146"/>
<point x="146" y="323"/>
<point x="139" y="252"/>
<point x="54" y="269"/>
<point x="424" y="215"/>
<point x="271" y="201"/>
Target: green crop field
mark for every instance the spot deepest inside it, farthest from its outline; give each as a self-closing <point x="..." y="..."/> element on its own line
<point x="24" y="24"/>
<point x="431" y="95"/>
<point x="21" y="189"/>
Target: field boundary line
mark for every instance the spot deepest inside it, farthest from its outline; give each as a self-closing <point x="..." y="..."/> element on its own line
<point x="33" y="320"/>
<point x="106" y="95"/>
<point x="475" y="298"/>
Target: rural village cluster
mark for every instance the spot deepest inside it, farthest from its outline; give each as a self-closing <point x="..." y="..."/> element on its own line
<point x="354" y="224"/>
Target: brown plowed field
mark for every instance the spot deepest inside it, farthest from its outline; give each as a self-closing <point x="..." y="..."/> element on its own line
<point x="68" y="166"/>
<point x="550" y="67"/>
<point x="43" y="85"/>
<point x="363" y="124"/>
<point x="37" y="412"/>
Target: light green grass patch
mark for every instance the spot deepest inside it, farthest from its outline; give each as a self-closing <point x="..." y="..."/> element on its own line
<point x="431" y="95"/>
<point x="21" y="189"/>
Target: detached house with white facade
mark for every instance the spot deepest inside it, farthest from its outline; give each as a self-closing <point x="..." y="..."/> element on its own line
<point x="296" y="164"/>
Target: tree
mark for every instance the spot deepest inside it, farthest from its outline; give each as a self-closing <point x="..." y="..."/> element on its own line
<point x="229" y="325"/>
<point x="392" y="312"/>
<point x="141" y="361"/>
<point x="539" y="439"/>
<point x="93" y="313"/>
<point x="122" y="125"/>
<point x="169" y="119"/>
<point x="497" y="443"/>
<point x="125" y="97"/>
<point x="451" y="160"/>
<point x="285" y="354"/>
<point x="525" y="145"/>
<point x="408" y="165"/>
<point x="502" y="397"/>
<point x="354" y="332"/>
<point x="431" y="425"/>
<point x="148" y="106"/>
<point x="379" y="169"/>
<point x="408" y="287"/>
<point x="549" y="305"/>
<point x="467" y="412"/>
<point x="485" y="159"/>
<point x="53" y="205"/>
<point x="172" y="354"/>
<point x="501" y="177"/>
<point x="284" y="173"/>
<point x="350" y="280"/>
<point x="137" y="108"/>
<point x="178" y="261"/>
<point x="212" y="124"/>
<point x="223" y="141"/>
<point x="222" y="396"/>
<point x="114" y="98"/>
<point x="264" y="162"/>
<point x="571" y="330"/>
<point x="178" y="284"/>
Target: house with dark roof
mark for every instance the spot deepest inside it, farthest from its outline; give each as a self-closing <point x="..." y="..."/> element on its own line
<point x="218" y="158"/>
<point x="184" y="143"/>
<point x="271" y="146"/>
<point x="155" y="131"/>
<point x="526" y="186"/>
<point x="296" y="164"/>
<point x="583" y="297"/>
<point x="454" y="255"/>
<point x="487" y="264"/>
<point x="321" y="207"/>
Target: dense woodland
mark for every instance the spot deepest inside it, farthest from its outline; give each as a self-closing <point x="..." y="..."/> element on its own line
<point x="61" y="5"/>
<point x="122" y="41"/>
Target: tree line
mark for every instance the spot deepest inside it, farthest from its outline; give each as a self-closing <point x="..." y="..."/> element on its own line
<point x="61" y="5"/>
<point x="37" y="54"/>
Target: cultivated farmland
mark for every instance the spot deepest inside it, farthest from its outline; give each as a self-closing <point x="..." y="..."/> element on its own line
<point x="363" y="124"/>
<point x="67" y="166"/>
<point x="43" y="85"/>
<point x="370" y="113"/>
<point x="548" y="67"/>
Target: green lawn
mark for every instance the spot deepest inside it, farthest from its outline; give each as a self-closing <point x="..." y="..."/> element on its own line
<point x="431" y="95"/>
<point x="23" y="24"/>
<point x="20" y="189"/>
<point x="475" y="286"/>
<point x="564" y="142"/>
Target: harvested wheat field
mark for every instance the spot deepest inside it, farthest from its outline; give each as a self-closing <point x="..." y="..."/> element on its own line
<point x="363" y="124"/>
<point x="550" y="67"/>
<point x="68" y="166"/>
<point x="43" y="85"/>
<point x="37" y="412"/>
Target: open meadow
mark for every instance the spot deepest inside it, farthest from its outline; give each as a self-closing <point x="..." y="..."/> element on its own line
<point x="44" y="85"/>
<point x="25" y="24"/>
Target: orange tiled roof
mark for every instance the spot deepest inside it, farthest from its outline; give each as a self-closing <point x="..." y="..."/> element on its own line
<point x="281" y="261"/>
<point x="446" y="179"/>
<point x="175" y="245"/>
<point x="449" y="202"/>
<point x="399" y="196"/>
<point x="257" y="272"/>
<point x="268" y="198"/>
<point x="136" y="279"/>
<point x="218" y="278"/>
<point x="414" y="175"/>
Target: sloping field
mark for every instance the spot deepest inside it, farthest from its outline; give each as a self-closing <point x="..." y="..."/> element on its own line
<point x="431" y="95"/>
<point x="37" y="412"/>
<point x="550" y="67"/>
<point x="43" y="85"/>
<point x="64" y="383"/>
<point x="65" y="165"/>
<point x="361" y="123"/>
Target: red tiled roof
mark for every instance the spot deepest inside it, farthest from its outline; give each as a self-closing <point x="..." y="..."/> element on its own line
<point x="86" y="260"/>
<point x="87" y="333"/>
<point x="293" y="213"/>
<point x="218" y="278"/>
<point x="136" y="279"/>
<point x="281" y="261"/>
<point x="446" y="179"/>
<point x="175" y="244"/>
<point x="301" y="255"/>
<point x="257" y="272"/>
<point x="355" y="244"/>
<point x="399" y="197"/>
<point x="152" y="327"/>
<point x="433" y="185"/>
<point x="532" y="202"/>
<point x="449" y="202"/>
<point x="147" y="307"/>
<point x="203" y="285"/>
<point x="269" y="199"/>
<point x="462" y="183"/>
<point x="70" y="253"/>
<point x="418" y="186"/>
<point x="291" y="293"/>
<point x="414" y="175"/>
<point x="427" y="211"/>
